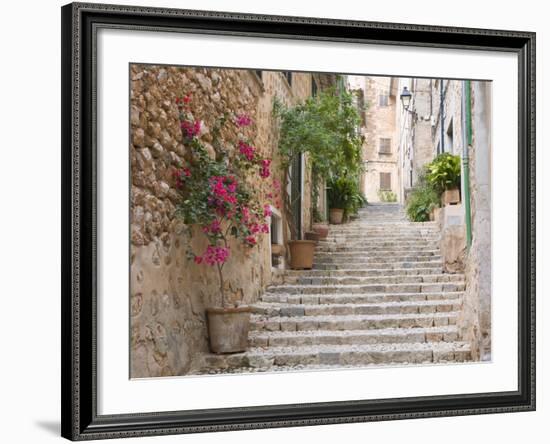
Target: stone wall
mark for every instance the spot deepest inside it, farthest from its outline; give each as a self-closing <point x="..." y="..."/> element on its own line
<point x="168" y="291"/>
<point x="475" y="322"/>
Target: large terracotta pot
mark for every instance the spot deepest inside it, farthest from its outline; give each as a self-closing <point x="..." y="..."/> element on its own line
<point x="450" y="197"/>
<point x="228" y="328"/>
<point x="301" y="254"/>
<point x="336" y="215"/>
<point x="321" y="229"/>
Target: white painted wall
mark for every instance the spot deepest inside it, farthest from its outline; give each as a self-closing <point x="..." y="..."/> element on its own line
<point x="30" y="187"/>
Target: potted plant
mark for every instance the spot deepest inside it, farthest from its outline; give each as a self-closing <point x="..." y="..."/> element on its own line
<point x="444" y="176"/>
<point x="344" y="198"/>
<point x="216" y="195"/>
<point x="319" y="226"/>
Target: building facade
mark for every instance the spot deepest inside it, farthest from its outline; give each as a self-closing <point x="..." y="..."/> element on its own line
<point x="378" y="104"/>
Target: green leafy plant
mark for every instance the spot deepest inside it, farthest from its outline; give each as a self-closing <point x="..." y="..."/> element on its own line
<point x="422" y="200"/>
<point x="387" y="196"/>
<point x="325" y="128"/>
<point x="344" y="193"/>
<point x="444" y="172"/>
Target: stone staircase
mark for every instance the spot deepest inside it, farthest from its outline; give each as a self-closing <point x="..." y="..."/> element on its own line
<point x="377" y="295"/>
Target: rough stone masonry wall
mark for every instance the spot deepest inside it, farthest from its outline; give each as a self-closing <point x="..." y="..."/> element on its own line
<point x="168" y="292"/>
<point x="475" y="321"/>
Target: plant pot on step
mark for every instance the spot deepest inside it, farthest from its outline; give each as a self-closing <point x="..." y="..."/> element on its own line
<point x="313" y="236"/>
<point x="228" y="328"/>
<point x="321" y="229"/>
<point x="277" y="249"/>
<point x="450" y="197"/>
<point x="336" y="215"/>
<point x="301" y="254"/>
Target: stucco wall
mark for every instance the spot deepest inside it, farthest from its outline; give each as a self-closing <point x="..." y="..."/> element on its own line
<point x="475" y="321"/>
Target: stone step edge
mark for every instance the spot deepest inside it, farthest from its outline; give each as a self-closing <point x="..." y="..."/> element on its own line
<point x="424" y="303"/>
<point x="367" y="295"/>
<point x="446" y="329"/>
<point x="342" y="318"/>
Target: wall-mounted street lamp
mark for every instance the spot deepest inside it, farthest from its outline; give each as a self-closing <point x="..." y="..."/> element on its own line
<point x="406" y="97"/>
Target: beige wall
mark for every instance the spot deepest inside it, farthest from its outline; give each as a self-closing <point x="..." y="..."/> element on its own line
<point x="380" y="122"/>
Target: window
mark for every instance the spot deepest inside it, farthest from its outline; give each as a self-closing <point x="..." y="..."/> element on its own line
<point x="383" y="100"/>
<point x="384" y="146"/>
<point x="385" y="181"/>
<point x="288" y="77"/>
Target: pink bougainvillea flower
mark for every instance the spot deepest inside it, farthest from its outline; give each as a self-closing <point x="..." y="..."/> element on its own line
<point x="187" y="99"/>
<point x="246" y="150"/>
<point x="251" y="240"/>
<point x="264" y="168"/>
<point x="191" y="129"/>
<point x="243" y="120"/>
<point x="215" y="255"/>
<point x="267" y="211"/>
<point x="198" y="260"/>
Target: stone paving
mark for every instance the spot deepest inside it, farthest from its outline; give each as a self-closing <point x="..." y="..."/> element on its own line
<point x="377" y="295"/>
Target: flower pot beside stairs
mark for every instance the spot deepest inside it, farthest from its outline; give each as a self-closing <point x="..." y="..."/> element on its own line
<point x="301" y="254"/>
<point x="336" y="216"/>
<point x="450" y="197"/>
<point x="228" y="328"/>
<point x="321" y="229"/>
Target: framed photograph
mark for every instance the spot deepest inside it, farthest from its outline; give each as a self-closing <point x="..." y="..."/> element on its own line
<point x="278" y="221"/>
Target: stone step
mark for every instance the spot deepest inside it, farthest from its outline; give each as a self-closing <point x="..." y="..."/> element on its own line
<point x="349" y="265"/>
<point x="382" y="243"/>
<point x="374" y="259"/>
<point x="338" y="356"/>
<point x="281" y="309"/>
<point x="369" y="288"/>
<point x="282" y="275"/>
<point x="331" y="337"/>
<point x="390" y="279"/>
<point x="369" y="246"/>
<point x="375" y="254"/>
<point x="370" y="249"/>
<point x="350" y="298"/>
<point x="351" y="322"/>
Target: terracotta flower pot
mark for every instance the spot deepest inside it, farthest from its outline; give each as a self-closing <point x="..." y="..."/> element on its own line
<point x="228" y="328"/>
<point x="301" y="254"/>
<point x="336" y="216"/>
<point x="312" y="235"/>
<point x="321" y="229"/>
<point x="450" y="197"/>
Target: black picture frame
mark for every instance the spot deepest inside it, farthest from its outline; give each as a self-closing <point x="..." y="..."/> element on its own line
<point x="80" y="420"/>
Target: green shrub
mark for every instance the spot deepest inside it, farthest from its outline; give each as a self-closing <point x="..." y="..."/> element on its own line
<point x="423" y="199"/>
<point x="443" y="173"/>
<point x="387" y="196"/>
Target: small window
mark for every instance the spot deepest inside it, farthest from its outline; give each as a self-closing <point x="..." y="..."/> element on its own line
<point x="385" y="181"/>
<point x="258" y="73"/>
<point x="383" y="100"/>
<point x="384" y="146"/>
